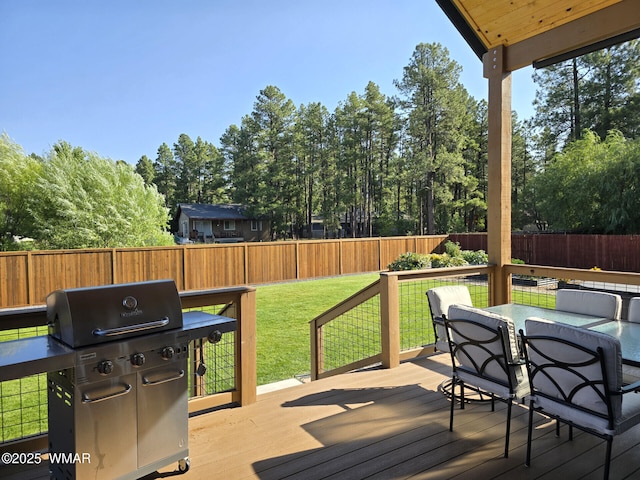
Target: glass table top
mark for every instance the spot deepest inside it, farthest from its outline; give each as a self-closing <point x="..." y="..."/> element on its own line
<point x="628" y="333"/>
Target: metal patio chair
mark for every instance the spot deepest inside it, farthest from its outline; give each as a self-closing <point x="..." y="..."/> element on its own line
<point x="440" y="299"/>
<point x="484" y="353"/>
<point x="575" y="377"/>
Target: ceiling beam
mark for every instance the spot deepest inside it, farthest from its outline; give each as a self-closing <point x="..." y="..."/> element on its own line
<point x="618" y="39"/>
<point x="617" y="19"/>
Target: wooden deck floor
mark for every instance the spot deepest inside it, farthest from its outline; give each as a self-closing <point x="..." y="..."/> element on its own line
<point x="386" y="424"/>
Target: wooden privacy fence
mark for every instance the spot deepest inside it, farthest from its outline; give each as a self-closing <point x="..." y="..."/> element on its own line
<point x="608" y="252"/>
<point x="26" y="278"/>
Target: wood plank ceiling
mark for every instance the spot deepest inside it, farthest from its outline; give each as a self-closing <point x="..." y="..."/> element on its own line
<point x="534" y="30"/>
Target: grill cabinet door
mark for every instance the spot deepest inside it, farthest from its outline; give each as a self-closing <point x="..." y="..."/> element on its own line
<point x="163" y="413"/>
<point x="105" y="428"/>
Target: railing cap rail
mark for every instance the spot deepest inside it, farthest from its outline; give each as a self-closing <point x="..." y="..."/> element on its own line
<point x="439" y="272"/>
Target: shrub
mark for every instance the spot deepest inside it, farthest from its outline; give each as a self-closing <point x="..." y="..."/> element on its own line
<point x="410" y="261"/>
<point x="446" y="260"/>
<point x="475" y="257"/>
<point x="452" y="249"/>
<point x="454" y="256"/>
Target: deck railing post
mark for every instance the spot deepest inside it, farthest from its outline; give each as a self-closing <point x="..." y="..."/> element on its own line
<point x="316" y="350"/>
<point x="246" y="371"/>
<point x="389" y="320"/>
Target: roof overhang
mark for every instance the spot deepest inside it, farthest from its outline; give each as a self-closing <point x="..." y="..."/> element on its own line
<point x="542" y="32"/>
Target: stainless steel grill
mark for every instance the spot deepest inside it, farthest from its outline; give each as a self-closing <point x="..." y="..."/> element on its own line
<point x="123" y="404"/>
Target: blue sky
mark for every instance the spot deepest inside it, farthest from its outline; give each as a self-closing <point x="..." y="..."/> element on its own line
<point x="121" y="77"/>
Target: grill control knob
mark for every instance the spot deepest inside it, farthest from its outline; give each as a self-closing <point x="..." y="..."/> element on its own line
<point x="168" y="353"/>
<point x="105" y="367"/>
<point x="137" y="360"/>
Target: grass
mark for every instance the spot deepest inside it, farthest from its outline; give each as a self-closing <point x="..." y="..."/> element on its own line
<point x="283" y="313"/>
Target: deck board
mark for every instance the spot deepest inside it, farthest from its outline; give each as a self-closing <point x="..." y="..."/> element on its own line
<point x="384" y="424"/>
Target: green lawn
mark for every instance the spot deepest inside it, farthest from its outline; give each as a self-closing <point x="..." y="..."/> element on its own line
<point x="283" y="314"/>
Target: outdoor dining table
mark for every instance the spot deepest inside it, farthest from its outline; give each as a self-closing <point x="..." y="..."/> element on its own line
<point x="628" y="333"/>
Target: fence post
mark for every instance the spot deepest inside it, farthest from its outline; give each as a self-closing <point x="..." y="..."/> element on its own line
<point x="389" y="320"/>
<point x="30" y="277"/>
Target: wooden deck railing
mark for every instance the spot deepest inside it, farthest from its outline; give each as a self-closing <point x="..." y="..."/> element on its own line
<point x="401" y="300"/>
<point x="240" y="389"/>
<point x="387" y="321"/>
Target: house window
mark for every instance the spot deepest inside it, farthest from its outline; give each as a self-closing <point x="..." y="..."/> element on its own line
<point x="229" y="224"/>
<point x="256" y="226"/>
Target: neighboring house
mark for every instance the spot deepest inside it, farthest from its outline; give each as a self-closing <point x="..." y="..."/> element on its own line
<point x="218" y="223"/>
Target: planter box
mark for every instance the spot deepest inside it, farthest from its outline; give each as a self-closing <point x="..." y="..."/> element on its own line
<point x="532" y="282"/>
<point x="523" y="282"/>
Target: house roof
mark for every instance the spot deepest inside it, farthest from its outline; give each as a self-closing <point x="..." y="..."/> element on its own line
<point x="543" y="32"/>
<point x="200" y="211"/>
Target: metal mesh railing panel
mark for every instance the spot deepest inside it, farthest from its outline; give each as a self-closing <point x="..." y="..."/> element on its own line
<point x="218" y="358"/>
<point x="535" y="291"/>
<point x="541" y="291"/>
<point x="23" y="407"/>
<point x="416" y="326"/>
<point x="23" y="402"/>
<point x="353" y="336"/>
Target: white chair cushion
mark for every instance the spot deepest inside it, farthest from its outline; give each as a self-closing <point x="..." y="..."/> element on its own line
<point x="440" y="299"/>
<point x="518" y="373"/>
<point x="634" y="310"/>
<point x="597" y="304"/>
<point x="492" y="320"/>
<point x="562" y="352"/>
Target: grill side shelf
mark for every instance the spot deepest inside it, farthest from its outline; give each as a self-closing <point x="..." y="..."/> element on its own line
<point x="197" y="324"/>
<point x="30" y="356"/>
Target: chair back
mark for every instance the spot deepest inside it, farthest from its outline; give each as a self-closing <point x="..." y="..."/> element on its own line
<point x="483" y="345"/>
<point x="597" y="304"/>
<point x="634" y="310"/>
<point x="440" y="299"/>
<point x="573" y="373"/>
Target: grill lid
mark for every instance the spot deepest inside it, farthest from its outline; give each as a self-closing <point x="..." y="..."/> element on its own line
<point x="87" y="316"/>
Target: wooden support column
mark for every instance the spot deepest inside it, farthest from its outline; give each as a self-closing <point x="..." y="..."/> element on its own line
<point x="499" y="171"/>
<point x="390" y="320"/>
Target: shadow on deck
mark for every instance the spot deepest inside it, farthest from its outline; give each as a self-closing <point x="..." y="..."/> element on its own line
<point x="385" y="424"/>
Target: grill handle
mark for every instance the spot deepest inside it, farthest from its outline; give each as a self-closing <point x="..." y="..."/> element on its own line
<point x="113" y="332"/>
<point x="148" y="383"/>
<point x="87" y="399"/>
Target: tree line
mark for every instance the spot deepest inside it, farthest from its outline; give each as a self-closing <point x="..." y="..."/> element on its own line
<point x="410" y="163"/>
<point x="376" y="165"/>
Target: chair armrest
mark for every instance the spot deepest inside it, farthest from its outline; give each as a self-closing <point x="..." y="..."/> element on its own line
<point x="632" y="387"/>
